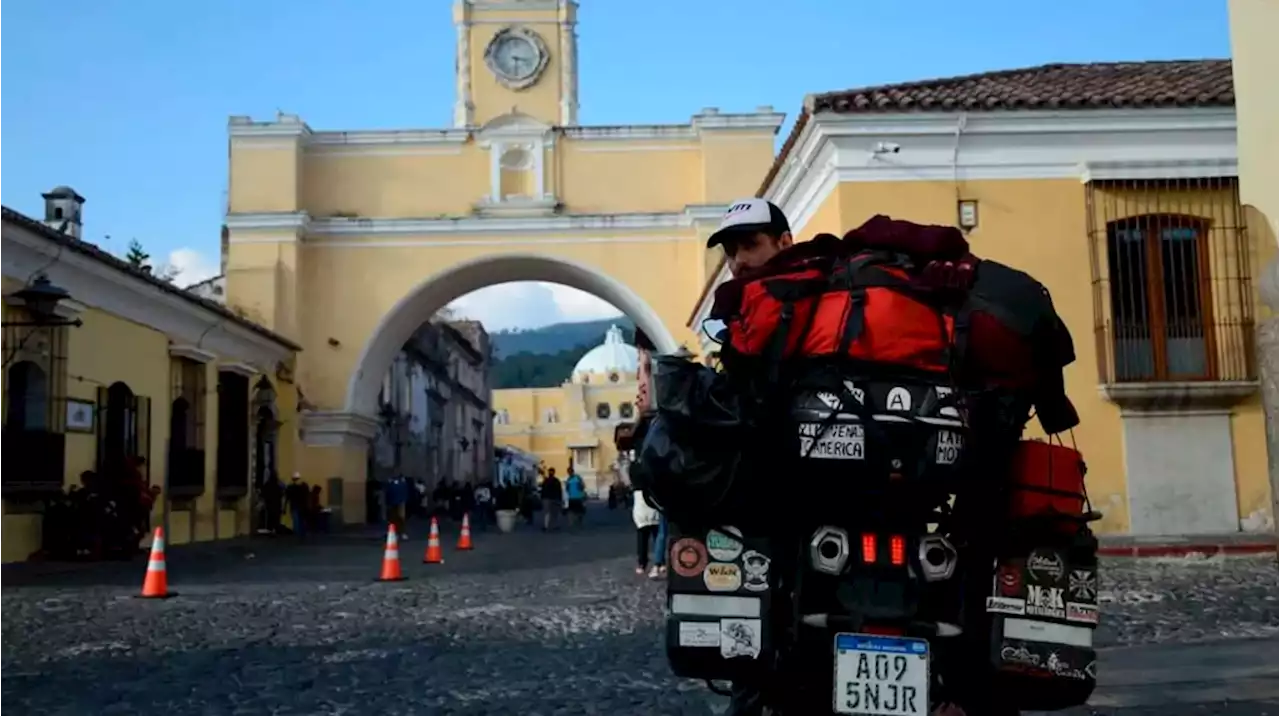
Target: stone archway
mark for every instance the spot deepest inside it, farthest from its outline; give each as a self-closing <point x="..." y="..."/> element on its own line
<point x="433" y="294"/>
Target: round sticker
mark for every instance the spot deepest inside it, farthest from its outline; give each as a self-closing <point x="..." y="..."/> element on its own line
<point x="755" y="567"/>
<point x="688" y="557"/>
<point x="722" y="546"/>
<point x="720" y="577"/>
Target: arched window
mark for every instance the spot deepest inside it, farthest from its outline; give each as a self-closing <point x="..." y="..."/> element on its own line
<point x="119" y="436"/>
<point x="1158" y="267"/>
<point x="27" y="400"/>
<point x="626" y="411"/>
<point x="179" y="416"/>
<point x="603" y="411"/>
<point x="551" y="416"/>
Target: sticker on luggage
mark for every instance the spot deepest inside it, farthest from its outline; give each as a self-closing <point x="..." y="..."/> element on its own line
<point x="840" y="441"/>
<point x="950" y="443"/>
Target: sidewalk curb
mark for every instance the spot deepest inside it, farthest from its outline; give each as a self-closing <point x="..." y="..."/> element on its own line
<point x="1173" y="548"/>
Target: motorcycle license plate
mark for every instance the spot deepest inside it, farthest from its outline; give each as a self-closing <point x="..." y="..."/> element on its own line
<point x="881" y="675"/>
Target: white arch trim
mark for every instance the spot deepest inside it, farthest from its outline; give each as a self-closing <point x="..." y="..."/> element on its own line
<point x="433" y="294"/>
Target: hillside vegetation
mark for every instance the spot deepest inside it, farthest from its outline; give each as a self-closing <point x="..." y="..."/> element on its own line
<point x="544" y="357"/>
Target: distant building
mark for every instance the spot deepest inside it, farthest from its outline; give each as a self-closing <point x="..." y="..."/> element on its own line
<point x="435" y="420"/>
<point x="212" y="289"/>
<point x="576" y="421"/>
<point x="200" y="393"/>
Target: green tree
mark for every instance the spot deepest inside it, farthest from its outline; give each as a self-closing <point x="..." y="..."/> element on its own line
<point x="141" y="260"/>
<point x="137" y="257"/>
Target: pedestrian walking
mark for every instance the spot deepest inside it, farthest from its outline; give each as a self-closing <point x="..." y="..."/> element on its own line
<point x="646" y="519"/>
<point x="575" y="489"/>
<point x="397" y="498"/>
<point x="659" y="568"/>
<point x="551" y="493"/>
<point x="296" y="499"/>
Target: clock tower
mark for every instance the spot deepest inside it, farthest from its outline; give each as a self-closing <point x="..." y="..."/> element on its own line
<point x="516" y="56"/>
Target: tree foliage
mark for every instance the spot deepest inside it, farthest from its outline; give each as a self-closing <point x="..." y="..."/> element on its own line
<point x="556" y="349"/>
<point x="141" y="260"/>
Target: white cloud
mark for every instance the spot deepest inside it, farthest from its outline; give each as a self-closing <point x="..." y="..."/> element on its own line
<point x="188" y="266"/>
<point x="530" y="304"/>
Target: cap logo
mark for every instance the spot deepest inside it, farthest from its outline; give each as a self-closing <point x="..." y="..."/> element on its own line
<point x="738" y="207"/>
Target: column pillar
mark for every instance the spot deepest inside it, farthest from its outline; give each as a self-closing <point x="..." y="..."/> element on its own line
<point x="1267" y="342"/>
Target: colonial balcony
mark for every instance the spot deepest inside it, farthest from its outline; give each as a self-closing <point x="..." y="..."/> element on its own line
<point x="1173" y="304"/>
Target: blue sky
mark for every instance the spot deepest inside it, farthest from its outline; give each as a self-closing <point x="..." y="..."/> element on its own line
<point x="127" y="100"/>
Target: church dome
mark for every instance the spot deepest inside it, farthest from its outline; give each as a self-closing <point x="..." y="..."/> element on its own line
<point x="613" y="357"/>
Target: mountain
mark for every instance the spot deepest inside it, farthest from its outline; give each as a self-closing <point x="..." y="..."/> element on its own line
<point x="544" y="357"/>
<point x="556" y="337"/>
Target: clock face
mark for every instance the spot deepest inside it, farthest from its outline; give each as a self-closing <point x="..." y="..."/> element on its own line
<point x="517" y="57"/>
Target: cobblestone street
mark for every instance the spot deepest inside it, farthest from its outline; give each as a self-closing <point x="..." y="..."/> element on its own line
<point x="529" y="623"/>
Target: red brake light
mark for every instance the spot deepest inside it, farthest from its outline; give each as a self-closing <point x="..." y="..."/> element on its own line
<point x="868" y="548"/>
<point x="898" y="550"/>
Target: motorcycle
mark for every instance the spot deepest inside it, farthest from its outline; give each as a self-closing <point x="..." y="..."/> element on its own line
<point x="882" y="597"/>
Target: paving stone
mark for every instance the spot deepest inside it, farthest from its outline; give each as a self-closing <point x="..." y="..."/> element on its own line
<point x="547" y="633"/>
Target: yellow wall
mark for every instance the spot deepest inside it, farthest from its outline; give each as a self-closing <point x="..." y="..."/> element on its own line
<point x="575" y="406"/>
<point x="107" y="349"/>
<point x="1256" y="75"/>
<point x="492" y="99"/>
<point x="1040" y="226"/>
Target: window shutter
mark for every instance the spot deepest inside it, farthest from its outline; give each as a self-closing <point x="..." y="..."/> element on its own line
<point x="142" y="434"/>
<point x="100" y="423"/>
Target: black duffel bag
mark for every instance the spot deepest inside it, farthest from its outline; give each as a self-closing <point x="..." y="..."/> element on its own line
<point x="695" y="455"/>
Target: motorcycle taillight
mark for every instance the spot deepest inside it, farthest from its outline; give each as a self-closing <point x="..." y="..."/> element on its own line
<point x="898" y="550"/>
<point x="868" y="548"/>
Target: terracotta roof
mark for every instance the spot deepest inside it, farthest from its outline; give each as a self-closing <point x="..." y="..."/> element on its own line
<point x="88" y="249"/>
<point x="1098" y="85"/>
<point x="1178" y="83"/>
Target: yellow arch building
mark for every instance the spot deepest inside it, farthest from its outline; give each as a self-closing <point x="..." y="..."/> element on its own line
<point x="574" y="423"/>
<point x="347" y="241"/>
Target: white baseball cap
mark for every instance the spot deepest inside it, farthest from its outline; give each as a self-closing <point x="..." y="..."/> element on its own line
<point x="750" y="216"/>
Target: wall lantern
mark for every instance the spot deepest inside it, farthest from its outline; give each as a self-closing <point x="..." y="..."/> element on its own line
<point x="967" y="214"/>
<point x="41" y="298"/>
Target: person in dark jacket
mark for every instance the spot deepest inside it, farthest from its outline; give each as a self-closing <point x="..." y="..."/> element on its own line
<point x="552" y="494"/>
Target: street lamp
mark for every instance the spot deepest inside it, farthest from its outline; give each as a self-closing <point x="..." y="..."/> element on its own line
<point x="41" y="298"/>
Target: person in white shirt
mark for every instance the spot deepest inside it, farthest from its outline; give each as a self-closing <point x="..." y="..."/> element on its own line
<point x="646" y="519"/>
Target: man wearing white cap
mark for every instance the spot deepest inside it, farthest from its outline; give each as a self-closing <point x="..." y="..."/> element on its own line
<point x="752" y="232"/>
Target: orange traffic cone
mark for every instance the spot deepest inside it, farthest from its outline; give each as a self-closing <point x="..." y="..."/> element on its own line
<point x="156" y="584"/>
<point x="391" y="558"/>
<point x="464" y="539"/>
<point x="433" y="555"/>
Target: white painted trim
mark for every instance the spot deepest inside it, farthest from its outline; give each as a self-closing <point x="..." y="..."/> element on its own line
<point x="108" y="289"/>
<point x="765" y="119"/>
<point x="373" y="137"/>
<point x="336" y="226"/>
<point x="190" y="352"/>
<point x="243" y="369"/>
<point x="268" y="221"/>
<point x="289" y="131"/>
<point x="834" y="149"/>
<point x="404" y="318"/>
<point x="385" y="151"/>
<point x="518" y="5"/>
<point x="1159" y="169"/>
<point x="326" y="428"/>
<point x="640" y="148"/>
<point x="516" y="242"/>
